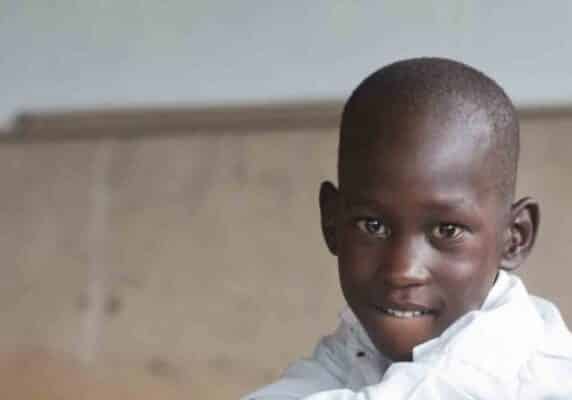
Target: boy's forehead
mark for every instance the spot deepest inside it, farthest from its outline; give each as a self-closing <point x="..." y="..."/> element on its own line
<point x="390" y="117"/>
<point x="429" y="134"/>
<point x="445" y="151"/>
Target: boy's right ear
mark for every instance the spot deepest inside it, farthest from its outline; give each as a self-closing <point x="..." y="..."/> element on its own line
<point x="329" y="197"/>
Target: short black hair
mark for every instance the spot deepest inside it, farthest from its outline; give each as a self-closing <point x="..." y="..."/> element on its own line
<point x="418" y="82"/>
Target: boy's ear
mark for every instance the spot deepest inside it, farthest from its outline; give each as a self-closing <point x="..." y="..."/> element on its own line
<point x="328" y="212"/>
<point x="521" y="233"/>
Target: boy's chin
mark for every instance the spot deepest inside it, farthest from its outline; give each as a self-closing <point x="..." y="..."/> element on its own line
<point x="399" y="352"/>
<point x="402" y="353"/>
<point x="396" y="337"/>
<point x="398" y="356"/>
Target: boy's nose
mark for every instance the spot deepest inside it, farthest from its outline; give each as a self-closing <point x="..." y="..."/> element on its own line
<point x="406" y="263"/>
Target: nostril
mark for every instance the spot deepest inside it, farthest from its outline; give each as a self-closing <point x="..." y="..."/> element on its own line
<point x="398" y="282"/>
<point x="406" y="275"/>
<point x="405" y="264"/>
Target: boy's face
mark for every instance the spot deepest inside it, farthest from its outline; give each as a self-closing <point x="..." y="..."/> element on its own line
<point x="418" y="228"/>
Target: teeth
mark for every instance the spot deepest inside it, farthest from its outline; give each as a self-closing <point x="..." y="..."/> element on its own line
<point x="404" y="314"/>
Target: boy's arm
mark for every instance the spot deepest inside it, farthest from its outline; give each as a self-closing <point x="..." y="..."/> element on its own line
<point x="312" y="380"/>
<point x="412" y="381"/>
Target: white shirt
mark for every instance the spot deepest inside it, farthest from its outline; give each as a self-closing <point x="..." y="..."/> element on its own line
<point x="515" y="347"/>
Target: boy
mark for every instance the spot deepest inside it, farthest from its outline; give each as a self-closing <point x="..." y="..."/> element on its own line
<point x="425" y="227"/>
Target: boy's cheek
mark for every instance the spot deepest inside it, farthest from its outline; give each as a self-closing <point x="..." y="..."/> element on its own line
<point x="466" y="283"/>
<point x="358" y="264"/>
<point x="358" y="248"/>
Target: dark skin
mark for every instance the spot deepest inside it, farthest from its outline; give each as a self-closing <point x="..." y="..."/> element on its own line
<point x="418" y="225"/>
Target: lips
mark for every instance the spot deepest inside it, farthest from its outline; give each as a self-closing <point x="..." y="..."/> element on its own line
<point x="405" y="309"/>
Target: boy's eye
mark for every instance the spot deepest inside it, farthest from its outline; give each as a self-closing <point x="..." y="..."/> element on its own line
<point x="448" y="232"/>
<point x="373" y="226"/>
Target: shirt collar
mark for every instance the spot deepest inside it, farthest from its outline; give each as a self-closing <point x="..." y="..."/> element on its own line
<point x="499" y="337"/>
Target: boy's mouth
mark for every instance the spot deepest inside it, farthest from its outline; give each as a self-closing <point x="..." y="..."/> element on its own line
<point x="405" y="313"/>
<point x="405" y="310"/>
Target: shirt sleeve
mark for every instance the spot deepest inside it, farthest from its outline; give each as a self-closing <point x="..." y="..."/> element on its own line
<point x="324" y="371"/>
<point x="450" y="380"/>
<point x="405" y="381"/>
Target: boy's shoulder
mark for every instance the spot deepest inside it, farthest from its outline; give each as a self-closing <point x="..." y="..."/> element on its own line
<point x="344" y="359"/>
<point x="557" y="337"/>
<point x="511" y="328"/>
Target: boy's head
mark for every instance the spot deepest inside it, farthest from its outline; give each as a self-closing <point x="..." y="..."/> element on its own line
<point x="424" y="215"/>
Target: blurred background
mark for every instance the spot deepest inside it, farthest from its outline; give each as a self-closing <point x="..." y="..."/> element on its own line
<point x="160" y="164"/>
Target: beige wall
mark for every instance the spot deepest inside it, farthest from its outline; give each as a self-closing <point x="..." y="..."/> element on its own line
<point x="194" y="263"/>
<point x="546" y="174"/>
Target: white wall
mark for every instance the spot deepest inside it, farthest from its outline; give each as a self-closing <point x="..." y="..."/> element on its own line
<point x="66" y="53"/>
